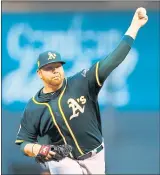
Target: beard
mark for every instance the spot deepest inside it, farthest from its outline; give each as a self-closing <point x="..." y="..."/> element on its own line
<point x="54" y="81"/>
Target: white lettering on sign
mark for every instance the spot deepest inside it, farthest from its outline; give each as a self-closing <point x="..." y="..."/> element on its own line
<point x="20" y="84"/>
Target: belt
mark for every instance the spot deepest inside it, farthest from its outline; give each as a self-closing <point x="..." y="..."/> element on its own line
<point x="91" y="153"/>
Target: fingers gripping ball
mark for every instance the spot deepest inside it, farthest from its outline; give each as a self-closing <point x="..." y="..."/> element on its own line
<point x="141" y="12"/>
<point x="61" y="151"/>
<point x="140" y="18"/>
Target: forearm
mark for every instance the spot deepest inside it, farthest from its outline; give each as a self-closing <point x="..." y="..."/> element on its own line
<point x="30" y="149"/>
<point x="132" y="31"/>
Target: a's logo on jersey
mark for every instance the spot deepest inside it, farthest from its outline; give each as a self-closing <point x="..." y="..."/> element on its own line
<point x="76" y="106"/>
<point x="51" y="56"/>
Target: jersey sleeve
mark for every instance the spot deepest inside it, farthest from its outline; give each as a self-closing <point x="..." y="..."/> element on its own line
<point x="115" y="58"/>
<point x="93" y="81"/>
<point x="99" y="72"/>
<point x="28" y="129"/>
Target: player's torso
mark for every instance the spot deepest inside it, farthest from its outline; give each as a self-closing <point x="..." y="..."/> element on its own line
<point x="74" y="113"/>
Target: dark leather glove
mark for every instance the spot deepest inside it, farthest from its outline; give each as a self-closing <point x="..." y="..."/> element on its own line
<point x="61" y="151"/>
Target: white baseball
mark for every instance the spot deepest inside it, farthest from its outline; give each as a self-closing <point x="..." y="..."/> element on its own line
<point x="141" y="12"/>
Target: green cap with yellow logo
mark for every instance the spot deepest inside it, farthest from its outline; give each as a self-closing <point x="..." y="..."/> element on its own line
<point x="49" y="57"/>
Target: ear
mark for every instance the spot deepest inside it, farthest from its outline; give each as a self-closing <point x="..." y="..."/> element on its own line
<point x="39" y="72"/>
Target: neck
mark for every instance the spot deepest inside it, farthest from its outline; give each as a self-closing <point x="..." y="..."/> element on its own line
<point x="49" y="88"/>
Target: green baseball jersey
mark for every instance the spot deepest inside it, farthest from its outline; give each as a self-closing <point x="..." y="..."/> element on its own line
<point x="71" y="114"/>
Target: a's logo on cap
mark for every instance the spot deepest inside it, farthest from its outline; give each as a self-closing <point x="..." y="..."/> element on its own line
<point x="51" y="56"/>
<point x="38" y="63"/>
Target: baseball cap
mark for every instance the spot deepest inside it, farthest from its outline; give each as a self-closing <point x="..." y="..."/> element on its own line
<point x="49" y="57"/>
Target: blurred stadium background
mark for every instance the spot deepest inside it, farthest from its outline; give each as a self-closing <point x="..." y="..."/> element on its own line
<point x="84" y="32"/>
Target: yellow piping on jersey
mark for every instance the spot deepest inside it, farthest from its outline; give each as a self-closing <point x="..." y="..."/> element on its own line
<point x="53" y="117"/>
<point x="60" y="108"/>
<point x="97" y="77"/>
<point x="19" y="141"/>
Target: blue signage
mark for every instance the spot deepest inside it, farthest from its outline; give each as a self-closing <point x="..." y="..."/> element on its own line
<point x="82" y="39"/>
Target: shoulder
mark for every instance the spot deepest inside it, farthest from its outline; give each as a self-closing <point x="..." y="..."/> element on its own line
<point x="81" y="75"/>
<point x="33" y="106"/>
<point x="78" y="80"/>
<point x="32" y="112"/>
<point x="85" y="74"/>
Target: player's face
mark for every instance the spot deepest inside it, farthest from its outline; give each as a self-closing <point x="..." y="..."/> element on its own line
<point x="52" y="74"/>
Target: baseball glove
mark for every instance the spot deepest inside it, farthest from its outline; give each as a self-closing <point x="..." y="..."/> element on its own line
<point x="61" y="151"/>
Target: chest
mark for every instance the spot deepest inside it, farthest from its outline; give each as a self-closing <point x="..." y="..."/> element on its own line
<point x="71" y="109"/>
<point x="69" y="105"/>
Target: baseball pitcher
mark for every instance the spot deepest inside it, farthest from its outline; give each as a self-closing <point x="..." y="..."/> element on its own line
<point x="61" y="124"/>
